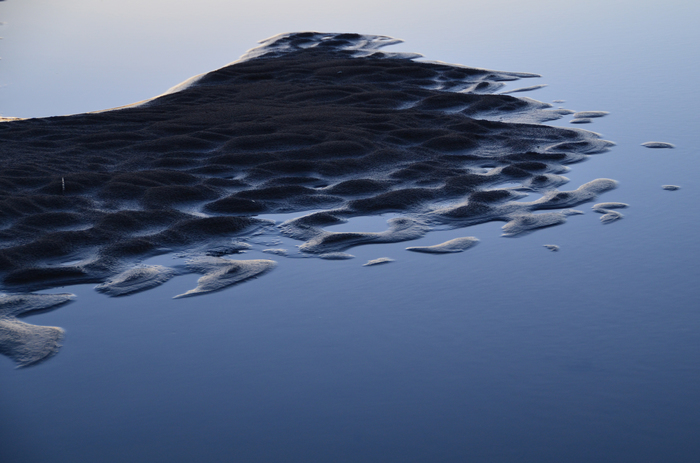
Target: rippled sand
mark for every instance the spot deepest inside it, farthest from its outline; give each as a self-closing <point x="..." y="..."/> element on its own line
<point x="326" y="126"/>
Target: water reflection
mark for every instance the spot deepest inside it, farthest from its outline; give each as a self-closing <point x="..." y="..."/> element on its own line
<point x="521" y="354"/>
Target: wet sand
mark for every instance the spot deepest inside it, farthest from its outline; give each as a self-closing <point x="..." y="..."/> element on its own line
<point x="323" y="125"/>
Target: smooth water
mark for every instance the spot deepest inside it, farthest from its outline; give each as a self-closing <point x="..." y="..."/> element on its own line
<point x="506" y="352"/>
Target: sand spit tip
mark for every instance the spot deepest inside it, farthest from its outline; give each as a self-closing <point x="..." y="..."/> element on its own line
<point x="586" y="117"/>
<point x="379" y="261"/>
<point x="336" y="256"/>
<point x="136" y="279"/>
<point x="24" y="343"/>
<point x="524" y="89"/>
<point x="455" y="245"/>
<point x="601" y="207"/>
<point x="658" y="144"/>
<point x="589" y="114"/>
<point x="609" y="215"/>
<point x="220" y="273"/>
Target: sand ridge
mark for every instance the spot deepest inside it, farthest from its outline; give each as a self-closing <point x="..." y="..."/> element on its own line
<point x="324" y="125"/>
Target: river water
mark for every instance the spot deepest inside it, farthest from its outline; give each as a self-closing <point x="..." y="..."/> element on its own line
<point x="507" y="352"/>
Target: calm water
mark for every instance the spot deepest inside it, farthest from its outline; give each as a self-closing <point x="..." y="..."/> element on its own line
<point x="507" y="352"/>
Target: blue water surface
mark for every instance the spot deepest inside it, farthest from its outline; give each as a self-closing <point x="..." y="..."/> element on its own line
<point x="506" y="352"/>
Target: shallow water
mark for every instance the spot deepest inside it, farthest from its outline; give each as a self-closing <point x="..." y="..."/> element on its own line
<point x="503" y="352"/>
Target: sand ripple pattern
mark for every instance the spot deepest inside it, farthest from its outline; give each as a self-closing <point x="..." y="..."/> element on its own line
<point x="328" y="126"/>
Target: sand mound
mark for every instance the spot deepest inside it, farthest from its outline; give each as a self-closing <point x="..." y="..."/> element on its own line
<point x="306" y="122"/>
<point x="24" y="343"/>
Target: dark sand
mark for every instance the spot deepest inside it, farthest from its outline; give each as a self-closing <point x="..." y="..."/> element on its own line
<point x="305" y="122"/>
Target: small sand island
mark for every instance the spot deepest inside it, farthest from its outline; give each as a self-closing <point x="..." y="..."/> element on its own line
<point x="658" y="145"/>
